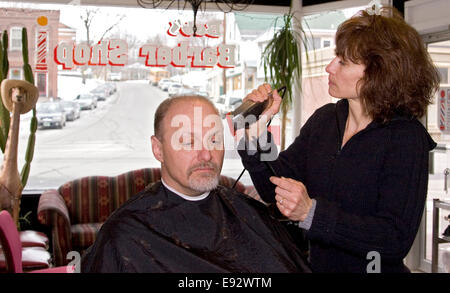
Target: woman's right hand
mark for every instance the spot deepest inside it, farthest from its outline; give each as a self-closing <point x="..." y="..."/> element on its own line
<point x="261" y="94"/>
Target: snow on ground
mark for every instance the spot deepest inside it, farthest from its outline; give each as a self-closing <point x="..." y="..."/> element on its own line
<point x="71" y="86"/>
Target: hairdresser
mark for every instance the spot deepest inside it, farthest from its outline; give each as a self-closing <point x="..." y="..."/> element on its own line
<point x="356" y="177"/>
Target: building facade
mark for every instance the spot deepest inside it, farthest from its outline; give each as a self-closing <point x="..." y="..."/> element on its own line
<point x="42" y="30"/>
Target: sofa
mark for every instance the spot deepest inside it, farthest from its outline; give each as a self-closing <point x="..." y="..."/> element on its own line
<point x="77" y="209"/>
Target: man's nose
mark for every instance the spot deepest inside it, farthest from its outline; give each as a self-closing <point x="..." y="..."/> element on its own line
<point x="205" y="154"/>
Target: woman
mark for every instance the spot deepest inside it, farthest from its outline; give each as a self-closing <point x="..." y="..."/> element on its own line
<point x="356" y="176"/>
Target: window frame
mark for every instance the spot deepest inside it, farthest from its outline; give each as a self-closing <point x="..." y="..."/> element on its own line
<point x="12" y="38"/>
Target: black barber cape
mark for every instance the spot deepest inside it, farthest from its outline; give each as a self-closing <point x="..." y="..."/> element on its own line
<point x="159" y="231"/>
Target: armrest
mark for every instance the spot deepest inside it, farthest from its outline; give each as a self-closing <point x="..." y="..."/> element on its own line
<point x="51" y="202"/>
<point x="52" y="211"/>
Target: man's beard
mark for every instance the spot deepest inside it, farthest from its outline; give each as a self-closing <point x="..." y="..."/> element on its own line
<point x="204" y="181"/>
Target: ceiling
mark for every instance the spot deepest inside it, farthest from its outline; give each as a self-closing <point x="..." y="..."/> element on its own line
<point x="258" y="5"/>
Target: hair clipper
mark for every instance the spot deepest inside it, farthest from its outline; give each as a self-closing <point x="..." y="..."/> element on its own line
<point x="252" y="109"/>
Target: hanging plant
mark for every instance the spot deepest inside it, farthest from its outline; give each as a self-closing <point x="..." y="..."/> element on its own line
<point x="283" y="64"/>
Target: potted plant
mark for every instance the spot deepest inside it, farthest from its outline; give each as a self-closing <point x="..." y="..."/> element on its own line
<point x="282" y="62"/>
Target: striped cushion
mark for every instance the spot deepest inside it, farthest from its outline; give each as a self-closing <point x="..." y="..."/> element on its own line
<point x="92" y="199"/>
<point x="83" y="235"/>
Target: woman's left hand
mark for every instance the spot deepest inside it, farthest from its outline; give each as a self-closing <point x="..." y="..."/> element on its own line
<point x="292" y="198"/>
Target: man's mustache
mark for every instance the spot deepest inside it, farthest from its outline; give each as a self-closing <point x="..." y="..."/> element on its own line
<point x="203" y="165"/>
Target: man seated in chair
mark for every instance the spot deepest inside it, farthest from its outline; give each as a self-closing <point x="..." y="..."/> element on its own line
<point x="187" y="223"/>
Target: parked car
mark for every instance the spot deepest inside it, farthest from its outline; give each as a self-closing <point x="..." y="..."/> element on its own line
<point x="100" y="92"/>
<point x="203" y="94"/>
<point x="115" y="76"/>
<point x="162" y="82"/>
<point x="50" y="114"/>
<point x="166" y="84"/>
<point x="174" y="88"/>
<point x="86" y="101"/>
<point x="72" y="110"/>
<point x="111" y="87"/>
<point x="184" y="91"/>
<point x="227" y="103"/>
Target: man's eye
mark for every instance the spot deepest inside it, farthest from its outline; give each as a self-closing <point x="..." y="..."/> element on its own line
<point x="216" y="140"/>
<point x="186" y="141"/>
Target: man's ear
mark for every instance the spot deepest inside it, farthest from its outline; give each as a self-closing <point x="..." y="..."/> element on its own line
<point x="157" y="149"/>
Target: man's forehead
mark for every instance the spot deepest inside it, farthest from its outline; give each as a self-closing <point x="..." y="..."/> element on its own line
<point x="188" y="106"/>
<point x="192" y="115"/>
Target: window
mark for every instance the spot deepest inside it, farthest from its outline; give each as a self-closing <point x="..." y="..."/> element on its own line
<point x="42" y="84"/>
<point x="326" y="43"/>
<point x="250" y="82"/>
<point x="443" y="72"/>
<point x="15" y="39"/>
<point x="111" y="135"/>
<point x="237" y="82"/>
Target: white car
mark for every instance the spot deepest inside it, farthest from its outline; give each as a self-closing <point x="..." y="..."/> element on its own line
<point x="227" y="103"/>
<point x="174" y="88"/>
<point x="50" y="114"/>
<point x="164" y="84"/>
<point x="86" y="101"/>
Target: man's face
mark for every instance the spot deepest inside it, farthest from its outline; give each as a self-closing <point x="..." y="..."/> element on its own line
<point x="191" y="149"/>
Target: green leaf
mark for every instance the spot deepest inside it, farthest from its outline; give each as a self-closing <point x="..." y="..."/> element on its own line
<point x="5" y="63"/>
<point x="28" y="73"/>
<point x="25" y="46"/>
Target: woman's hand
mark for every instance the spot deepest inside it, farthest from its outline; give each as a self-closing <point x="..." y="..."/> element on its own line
<point x="260" y="95"/>
<point x="292" y="198"/>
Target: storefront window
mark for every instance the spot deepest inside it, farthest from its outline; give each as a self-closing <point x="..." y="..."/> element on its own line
<point x="124" y="58"/>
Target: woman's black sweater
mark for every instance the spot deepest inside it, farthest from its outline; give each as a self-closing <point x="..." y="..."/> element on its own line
<point x="370" y="194"/>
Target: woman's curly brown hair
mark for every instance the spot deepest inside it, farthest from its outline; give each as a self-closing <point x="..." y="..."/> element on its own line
<point x="400" y="76"/>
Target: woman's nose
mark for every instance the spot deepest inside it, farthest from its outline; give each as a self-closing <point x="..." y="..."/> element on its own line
<point x="331" y="67"/>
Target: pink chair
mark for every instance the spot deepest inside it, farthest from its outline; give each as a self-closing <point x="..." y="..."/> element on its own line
<point x="12" y="248"/>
